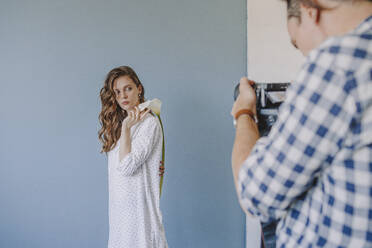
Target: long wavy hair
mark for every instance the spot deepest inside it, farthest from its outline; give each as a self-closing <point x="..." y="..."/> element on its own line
<point x="112" y="115"/>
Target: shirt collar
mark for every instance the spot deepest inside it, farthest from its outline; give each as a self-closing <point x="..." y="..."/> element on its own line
<point x="364" y="26"/>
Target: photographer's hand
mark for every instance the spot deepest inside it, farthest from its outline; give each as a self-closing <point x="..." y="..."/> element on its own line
<point x="246" y="98"/>
<point x="246" y="129"/>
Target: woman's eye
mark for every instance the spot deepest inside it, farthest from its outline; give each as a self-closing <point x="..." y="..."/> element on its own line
<point x="129" y="88"/>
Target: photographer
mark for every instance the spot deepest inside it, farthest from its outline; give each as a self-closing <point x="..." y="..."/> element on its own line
<point x="314" y="169"/>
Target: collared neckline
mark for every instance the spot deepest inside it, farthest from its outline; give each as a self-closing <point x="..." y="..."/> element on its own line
<point x="364" y="25"/>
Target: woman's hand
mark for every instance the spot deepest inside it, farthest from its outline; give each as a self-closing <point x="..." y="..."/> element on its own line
<point x="134" y="116"/>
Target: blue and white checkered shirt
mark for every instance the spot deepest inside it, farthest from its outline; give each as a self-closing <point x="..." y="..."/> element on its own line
<point x="314" y="170"/>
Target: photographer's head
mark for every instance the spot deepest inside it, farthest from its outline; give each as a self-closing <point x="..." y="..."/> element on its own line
<point x="310" y="22"/>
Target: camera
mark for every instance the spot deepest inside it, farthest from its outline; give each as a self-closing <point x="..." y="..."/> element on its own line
<point x="269" y="97"/>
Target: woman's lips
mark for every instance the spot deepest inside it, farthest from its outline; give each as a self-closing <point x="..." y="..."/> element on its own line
<point x="125" y="102"/>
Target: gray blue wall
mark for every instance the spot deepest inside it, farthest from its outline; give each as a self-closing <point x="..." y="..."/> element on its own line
<point x="54" y="56"/>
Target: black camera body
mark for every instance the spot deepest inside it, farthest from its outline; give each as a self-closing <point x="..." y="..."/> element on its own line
<point x="269" y="97"/>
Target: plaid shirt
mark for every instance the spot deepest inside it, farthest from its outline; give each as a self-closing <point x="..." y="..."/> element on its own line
<point x="314" y="170"/>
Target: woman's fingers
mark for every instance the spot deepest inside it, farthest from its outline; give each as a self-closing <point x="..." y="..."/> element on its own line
<point x="144" y="114"/>
<point x="137" y="113"/>
<point x="130" y="114"/>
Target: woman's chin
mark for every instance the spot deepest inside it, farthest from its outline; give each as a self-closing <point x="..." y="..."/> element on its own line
<point x="127" y="108"/>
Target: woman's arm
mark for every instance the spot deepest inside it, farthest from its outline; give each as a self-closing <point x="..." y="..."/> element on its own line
<point x="125" y="143"/>
<point x="133" y="118"/>
<point x="134" y="152"/>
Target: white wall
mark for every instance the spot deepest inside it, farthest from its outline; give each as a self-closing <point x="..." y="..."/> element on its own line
<point x="271" y="57"/>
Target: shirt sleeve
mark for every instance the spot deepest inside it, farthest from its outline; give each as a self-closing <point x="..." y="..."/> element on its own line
<point x="143" y="144"/>
<point x="310" y="130"/>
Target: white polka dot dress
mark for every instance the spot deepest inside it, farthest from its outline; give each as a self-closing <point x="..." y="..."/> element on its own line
<point x="135" y="219"/>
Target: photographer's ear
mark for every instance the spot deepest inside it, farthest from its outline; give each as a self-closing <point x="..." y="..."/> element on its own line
<point x="309" y="13"/>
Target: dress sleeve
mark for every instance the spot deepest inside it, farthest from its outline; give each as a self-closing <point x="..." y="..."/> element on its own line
<point x="143" y="144"/>
<point x="311" y="128"/>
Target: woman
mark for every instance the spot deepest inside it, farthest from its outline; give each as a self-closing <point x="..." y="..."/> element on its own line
<point x="133" y="143"/>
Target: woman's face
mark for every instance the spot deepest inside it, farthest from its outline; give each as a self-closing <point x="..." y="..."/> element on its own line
<point x="126" y="93"/>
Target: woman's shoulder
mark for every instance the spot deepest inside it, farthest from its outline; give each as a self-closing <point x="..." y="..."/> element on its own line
<point x="148" y="126"/>
<point x="150" y="121"/>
